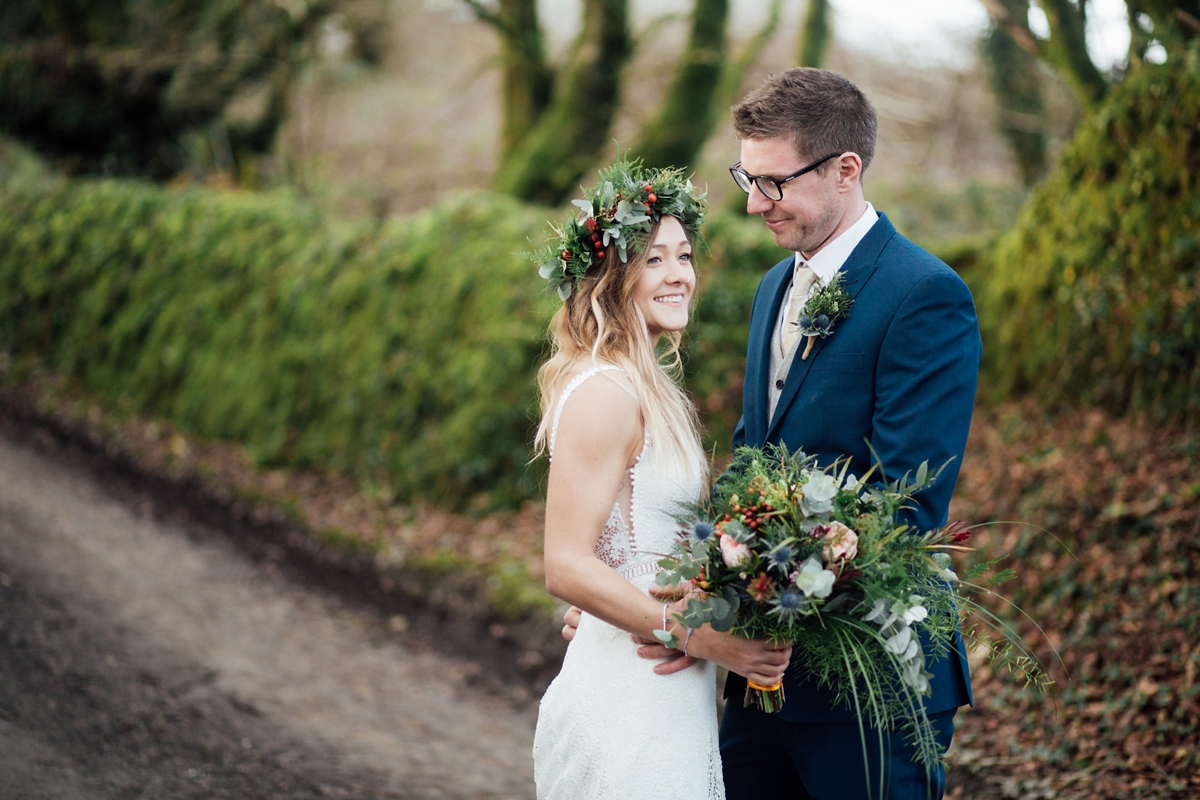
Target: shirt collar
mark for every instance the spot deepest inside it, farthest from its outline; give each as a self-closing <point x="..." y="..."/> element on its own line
<point x="826" y="262"/>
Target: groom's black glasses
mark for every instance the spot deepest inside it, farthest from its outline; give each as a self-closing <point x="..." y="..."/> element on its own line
<point x="772" y="188"/>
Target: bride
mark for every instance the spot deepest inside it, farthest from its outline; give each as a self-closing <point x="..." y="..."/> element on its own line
<point x="625" y="458"/>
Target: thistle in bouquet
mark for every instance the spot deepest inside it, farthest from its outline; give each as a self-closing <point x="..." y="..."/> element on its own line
<point x="819" y="558"/>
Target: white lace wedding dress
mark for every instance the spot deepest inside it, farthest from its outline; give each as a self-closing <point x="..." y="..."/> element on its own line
<point x="608" y="726"/>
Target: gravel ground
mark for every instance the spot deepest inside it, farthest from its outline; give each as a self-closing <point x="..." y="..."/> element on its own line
<point x="143" y="655"/>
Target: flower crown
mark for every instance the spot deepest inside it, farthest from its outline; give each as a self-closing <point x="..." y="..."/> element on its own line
<point x="619" y="212"/>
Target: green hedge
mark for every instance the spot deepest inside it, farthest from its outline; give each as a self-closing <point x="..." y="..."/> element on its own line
<point x="1093" y="296"/>
<point x="401" y="354"/>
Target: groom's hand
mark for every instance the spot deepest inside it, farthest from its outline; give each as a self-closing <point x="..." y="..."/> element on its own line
<point x="654" y="649"/>
<point x="571" y="622"/>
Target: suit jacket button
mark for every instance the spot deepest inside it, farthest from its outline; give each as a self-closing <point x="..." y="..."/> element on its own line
<point x="779" y="384"/>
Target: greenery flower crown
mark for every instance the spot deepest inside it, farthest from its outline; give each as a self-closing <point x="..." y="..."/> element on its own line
<point x="619" y="212"/>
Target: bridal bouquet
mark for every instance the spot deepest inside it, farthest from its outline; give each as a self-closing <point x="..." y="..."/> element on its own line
<point x="816" y="557"/>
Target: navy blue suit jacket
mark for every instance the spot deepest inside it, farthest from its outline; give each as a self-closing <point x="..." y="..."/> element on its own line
<point x="899" y="372"/>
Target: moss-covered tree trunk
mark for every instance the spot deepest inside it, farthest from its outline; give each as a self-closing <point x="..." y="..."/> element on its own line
<point x="528" y="78"/>
<point x="1067" y="49"/>
<point x="1016" y="84"/>
<point x="734" y="72"/>
<point x="1094" y="296"/>
<point x="117" y="86"/>
<point x="814" y="37"/>
<point x="685" y="120"/>
<point x="546" y="166"/>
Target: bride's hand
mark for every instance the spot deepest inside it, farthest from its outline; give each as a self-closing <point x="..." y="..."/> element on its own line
<point x="760" y="660"/>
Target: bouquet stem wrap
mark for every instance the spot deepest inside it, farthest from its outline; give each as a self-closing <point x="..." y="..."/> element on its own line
<point x="764" y="698"/>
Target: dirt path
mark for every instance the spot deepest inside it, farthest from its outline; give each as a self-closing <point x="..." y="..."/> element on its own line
<point x="144" y="657"/>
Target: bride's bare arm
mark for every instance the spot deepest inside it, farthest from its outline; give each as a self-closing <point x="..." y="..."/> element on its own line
<point x="599" y="437"/>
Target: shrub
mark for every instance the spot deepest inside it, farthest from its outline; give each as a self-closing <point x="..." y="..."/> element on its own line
<point x="1093" y="296"/>
<point x="402" y="354"/>
<point x="399" y="354"/>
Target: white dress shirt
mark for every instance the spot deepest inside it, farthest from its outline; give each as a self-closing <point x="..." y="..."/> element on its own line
<point x="828" y="261"/>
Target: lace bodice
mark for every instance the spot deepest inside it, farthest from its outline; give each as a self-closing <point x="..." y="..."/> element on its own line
<point x="659" y="491"/>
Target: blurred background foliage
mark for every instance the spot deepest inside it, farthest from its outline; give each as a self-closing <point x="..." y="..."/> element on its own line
<point x="134" y="87"/>
<point x="294" y="227"/>
<point x="399" y="354"/>
<point x="403" y="352"/>
<point x="400" y="350"/>
<point x="1092" y="298"/>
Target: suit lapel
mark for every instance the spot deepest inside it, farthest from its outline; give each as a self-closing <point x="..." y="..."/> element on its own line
<point x="857" y="270"/>
<point x="758" y="366"/>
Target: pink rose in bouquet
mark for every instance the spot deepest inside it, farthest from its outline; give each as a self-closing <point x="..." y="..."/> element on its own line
<point x="733" y="552"/>
<point x="840" y="542"/>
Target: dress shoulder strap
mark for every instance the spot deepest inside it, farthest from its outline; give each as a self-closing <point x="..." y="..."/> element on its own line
<point x="575" y="383"/>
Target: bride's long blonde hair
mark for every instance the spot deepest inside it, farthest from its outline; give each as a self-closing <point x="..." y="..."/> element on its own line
<point x="600" y="323"/>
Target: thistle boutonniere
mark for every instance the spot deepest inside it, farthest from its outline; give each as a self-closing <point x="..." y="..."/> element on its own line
<point x="830" y="303"/>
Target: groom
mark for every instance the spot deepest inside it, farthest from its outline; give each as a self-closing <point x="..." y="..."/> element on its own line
<point x="897" y="377"/>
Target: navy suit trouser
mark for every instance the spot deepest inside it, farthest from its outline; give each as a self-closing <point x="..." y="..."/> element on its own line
<point x="764" y="756"/>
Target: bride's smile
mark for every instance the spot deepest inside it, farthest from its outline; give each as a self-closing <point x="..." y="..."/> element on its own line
<point x="664" y="289"/>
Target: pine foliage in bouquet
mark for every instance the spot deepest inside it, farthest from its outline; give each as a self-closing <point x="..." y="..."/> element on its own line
<point x="818" y="558"/>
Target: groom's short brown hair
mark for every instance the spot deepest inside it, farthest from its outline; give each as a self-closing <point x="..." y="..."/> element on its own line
<point x="820" y="111"/>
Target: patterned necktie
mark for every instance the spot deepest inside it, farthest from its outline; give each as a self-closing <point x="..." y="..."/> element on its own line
<point x="801" y="283"/>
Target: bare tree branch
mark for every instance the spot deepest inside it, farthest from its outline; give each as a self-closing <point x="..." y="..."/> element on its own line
<point x="1187" y="20"/>
<point x="1068" y="49"/>
<point x="1017" y="29"/>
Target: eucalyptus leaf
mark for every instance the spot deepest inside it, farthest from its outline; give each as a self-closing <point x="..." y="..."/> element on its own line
<point x="730" y="596"/>
<point x="723" y="624"/>
<point x="667" y="638"/>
